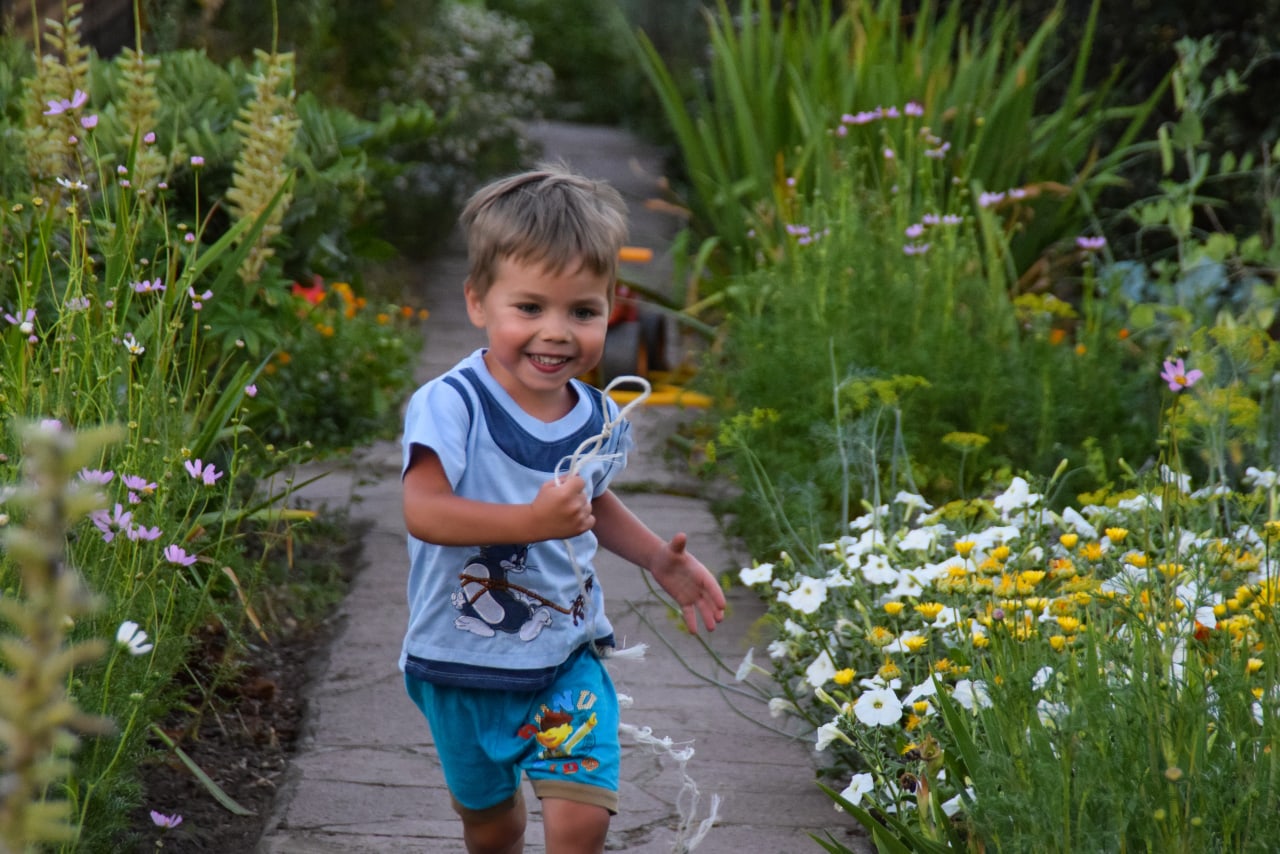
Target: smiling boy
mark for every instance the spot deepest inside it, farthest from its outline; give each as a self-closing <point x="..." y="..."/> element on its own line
<point x="506" y="615"/>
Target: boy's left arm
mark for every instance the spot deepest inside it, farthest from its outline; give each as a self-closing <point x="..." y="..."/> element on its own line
<point x="676" y="570"/>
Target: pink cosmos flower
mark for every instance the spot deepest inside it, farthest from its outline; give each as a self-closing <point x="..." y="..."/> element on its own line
<point x="200" y="471"/>
<point x="251" y="390"/>
<point x="97" y="476"/>
<point x="111" y="524"/>
<point x="141" y="484"/>
<point x="144" y="533"/>
<point x="177" y="556"/>
<point x="75" y="102"/>
<point x="1091" y="244"/>
<point x="89" y="122"/>
<point x="168" y="822"/>
<point x="1175" y="373"/>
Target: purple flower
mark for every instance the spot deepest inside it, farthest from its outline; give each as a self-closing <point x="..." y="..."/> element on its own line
<point x="57" y="108"/>
<point x="149" y="138"/>
<point x="24" y="322"/>
<point x="1175" y="373"/>
<point x="913" y="109"/>
<point x="1091" y="244"/>
<point x="251" y="390"/>
<point x="89" y="122"/>
<point x="141" y="484"/>
<point x="916" y="248"/>
<point x="200" y="471"/>
<point x="177" y="556"/>
<point x="147" y="286"/>
<point x="111" y="524"/>
<point x="986" y="200"/>
<point x="915" y="230"/>
<point x="168" y="822"/>
<point x="197" y="161"/>
<point x="97" y="476"/>
<point x="144" y="533"/>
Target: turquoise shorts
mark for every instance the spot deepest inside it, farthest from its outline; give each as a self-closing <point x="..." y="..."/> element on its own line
<point x="564" y="738"/>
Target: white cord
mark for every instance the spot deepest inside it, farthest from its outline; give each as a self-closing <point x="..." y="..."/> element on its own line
<point x="687" y="836"/>
<point x="588" y="451"/>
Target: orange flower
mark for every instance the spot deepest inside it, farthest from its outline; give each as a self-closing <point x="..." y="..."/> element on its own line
<point x="1057" y="336"/>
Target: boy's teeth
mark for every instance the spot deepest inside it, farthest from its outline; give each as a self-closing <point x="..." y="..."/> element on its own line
<point x="550" y="360"/>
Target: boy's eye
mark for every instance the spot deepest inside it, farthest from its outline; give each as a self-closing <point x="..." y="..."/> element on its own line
<point x="527" y="307"/>
<point x="585" y="313"/>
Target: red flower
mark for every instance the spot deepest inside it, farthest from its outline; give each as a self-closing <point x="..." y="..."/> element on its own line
<point x="313" y="294"/>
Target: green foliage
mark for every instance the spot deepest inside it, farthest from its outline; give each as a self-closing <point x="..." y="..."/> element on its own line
<point x="122" y="302"/>
<point x="470" y="69"/>
<point x="879" y="280"/>
<point x="779" y="85"/>
<point x="339" y="376"/>
<point x="598" y="78"/>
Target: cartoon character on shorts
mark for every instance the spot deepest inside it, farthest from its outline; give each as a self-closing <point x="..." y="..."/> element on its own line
<point x="558" y="735"/>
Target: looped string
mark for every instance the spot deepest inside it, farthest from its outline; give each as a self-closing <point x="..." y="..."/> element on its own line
<point x="586" y="452"/>
<point x="590" y="448"/>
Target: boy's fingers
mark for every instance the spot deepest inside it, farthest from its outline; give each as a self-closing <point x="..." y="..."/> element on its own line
<point x="678" y="542"/>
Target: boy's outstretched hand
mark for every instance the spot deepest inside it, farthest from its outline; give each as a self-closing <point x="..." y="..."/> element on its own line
<point x="688" y="582"/>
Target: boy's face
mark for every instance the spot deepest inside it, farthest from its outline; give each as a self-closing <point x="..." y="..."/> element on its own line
<point x="544" y="329"/>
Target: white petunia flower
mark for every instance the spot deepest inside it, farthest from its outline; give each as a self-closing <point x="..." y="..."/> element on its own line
<point x="820" y="670"/>
<point x="876" y="569"/>
<point x="807" y="597"/>
<point x="878" y="707"/>
<point x="1017" y="497"/>
<point x="761" y="574"/>
<point x="779" y="706"/>
<point x="1259" y="479"/>
<point x="910" y="501"/>
<point x="1181" y="481"/>
<point x="827" y="733"/>
<point x="860" y="785"/>
<point x="970" y="694"/>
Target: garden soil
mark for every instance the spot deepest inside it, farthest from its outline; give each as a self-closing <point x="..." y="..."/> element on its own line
<point x="362" y="777"/>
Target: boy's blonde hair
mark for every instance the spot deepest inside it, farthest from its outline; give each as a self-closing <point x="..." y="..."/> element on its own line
<point x="549" y="216"/>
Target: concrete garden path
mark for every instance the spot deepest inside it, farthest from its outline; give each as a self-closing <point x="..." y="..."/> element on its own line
<point x="366" y="781"/>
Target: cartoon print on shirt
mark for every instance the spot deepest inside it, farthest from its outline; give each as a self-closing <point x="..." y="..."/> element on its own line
<point x="490" y="602"/>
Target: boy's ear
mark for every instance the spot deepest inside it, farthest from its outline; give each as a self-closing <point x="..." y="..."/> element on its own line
<point x="475" y="305"/>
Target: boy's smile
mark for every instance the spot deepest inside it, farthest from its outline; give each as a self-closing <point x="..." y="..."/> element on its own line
<point x="544" y="329"/>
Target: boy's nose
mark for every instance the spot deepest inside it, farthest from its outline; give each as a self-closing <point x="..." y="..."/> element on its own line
<point x="555" y="328"/>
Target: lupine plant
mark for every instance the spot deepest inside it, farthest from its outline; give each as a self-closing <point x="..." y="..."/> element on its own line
<point x="1011" y="672"/>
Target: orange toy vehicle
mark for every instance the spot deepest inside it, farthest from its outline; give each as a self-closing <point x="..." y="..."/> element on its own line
<point x="636" y="342"/>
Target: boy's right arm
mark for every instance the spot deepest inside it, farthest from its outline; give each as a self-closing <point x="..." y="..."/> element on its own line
<point x="433" y="514"/>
